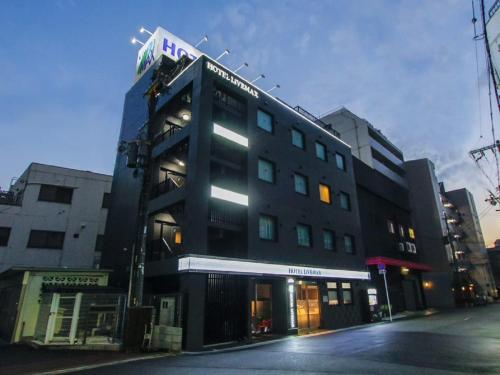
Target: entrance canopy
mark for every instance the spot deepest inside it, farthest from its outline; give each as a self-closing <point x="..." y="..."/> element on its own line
<point x="249" y="267"/>
<point x="375" y="261"/>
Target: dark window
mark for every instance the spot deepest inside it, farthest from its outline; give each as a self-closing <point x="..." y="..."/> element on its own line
<point x="265" y="121"/>
<point x="320" y="151"/>
<point x="300" y="182"/>
<point x="106" y="200"/>
<point x="345" y="201"/>
<point x="328" y="239"/>
<point x="266" y="170"/>
<point x="303" y="235"/>
<point x="267" y="228"/>
<point x="229" y="100"/>
<point x="298" y="139"/>
<point x="340" y="160"/>
<point x="346" y="293"/>
<point x="44" y="239"/>
<point x="349" y="246"/>
<point x="4" y="236"/>
<point x="59" y="194"/>
<point x="99" y="243"/>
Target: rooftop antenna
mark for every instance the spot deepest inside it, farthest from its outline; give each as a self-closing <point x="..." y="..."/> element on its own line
<point x="143" y="30"/>
<point x="136" y="41"/>
<point x="226" y="52"/>
<point x="259" y="77"/>
<point x="203" y="40"/>
<point x="244" y="65"/>
<point x="273" y="88"/>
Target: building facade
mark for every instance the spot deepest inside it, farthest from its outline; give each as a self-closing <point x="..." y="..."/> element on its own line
<point x="253" y="224"/>
<point x="53" y="217"/>
<point x="494" y="256"/>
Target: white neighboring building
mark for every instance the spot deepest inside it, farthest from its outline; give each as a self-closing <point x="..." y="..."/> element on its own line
<point x="54" y="217"/>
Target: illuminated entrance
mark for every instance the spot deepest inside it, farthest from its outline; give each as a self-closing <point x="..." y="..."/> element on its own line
<point x="308" y="307"/>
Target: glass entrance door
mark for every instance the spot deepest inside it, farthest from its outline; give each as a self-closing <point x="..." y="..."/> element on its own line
<point x="308" y="308"/>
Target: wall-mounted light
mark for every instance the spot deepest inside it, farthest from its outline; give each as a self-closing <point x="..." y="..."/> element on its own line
<point x="228" y="195"/>
<point x="259" y="77"/>
<point x="226" y="52"/>
<point x="203" y="40"/>
<point x="230" y="135"/>
<point x="143" y="30"/>
<point x="136" y="41"/>
<point x="244" y="65"/>
<point x="273" y="88"/>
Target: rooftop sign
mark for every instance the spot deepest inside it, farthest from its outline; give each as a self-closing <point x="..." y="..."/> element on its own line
<point x="232" y="79"/>
<point x="161" y="43"/>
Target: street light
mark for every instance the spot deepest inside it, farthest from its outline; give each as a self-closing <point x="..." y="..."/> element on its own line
<point x="143" y="30"/>
<point x="203" y="40"/>
<point x="244" y="65"/>
<point x="273" y="88"/>
<point x="135" y="41"/>
<point x="259" y="77"/>
<point x="226" y="52"/>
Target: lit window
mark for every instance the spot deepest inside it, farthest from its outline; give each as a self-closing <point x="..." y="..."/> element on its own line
<point x="401" y="231"/>
<point x="324" y="194"/>
<point x="228" y="195"/>
<point x="345" y="201"/>
<point x="411" y="233"/>
<point x="333" y="297"/>
<point x="320" y="151"/>
<point x="178" y="237"/>
<point x="266" y="170"/>
<point x="265" y="121"/>
<point x="230" y="135"/>
<point x="346" y="293"/>
<point x="267" y="228"/>
<point x="303" y="235"/>
<point x="298" y="138"/>
<point x="390" y="226"/>
<point x="349" y="244"/>
<point x="329" y="240"/>
<point x="300" y="184"/>
<point x="340" y="160"/>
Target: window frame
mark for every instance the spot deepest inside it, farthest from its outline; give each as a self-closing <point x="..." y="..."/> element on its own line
<point x="316" y="144"/>
<point x="54" y="196"/>
<point x="332" y="286"/>
<point x="306" y="183"/>
<point x="332" y="233"/>
<point x="345" y="289"/>
<point x="345" y="195"/>
<point x="271" y="131"/>
<point x="353" y="244"/>
<point x="274" y="220"/>
<point x="329" y="189"/>
<point x="342" y="157"/>
<point x="47" y="233"/>
<point x="302" y="138"/>
<point x="272" y="164"/>
<point x="309" y="235"/>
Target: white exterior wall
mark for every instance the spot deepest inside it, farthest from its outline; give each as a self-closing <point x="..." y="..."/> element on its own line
<point x="84" y="216"/>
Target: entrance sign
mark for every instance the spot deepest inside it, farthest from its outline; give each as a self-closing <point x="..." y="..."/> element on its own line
<point x="164" y="43"/>
<point x="228" y="265"/>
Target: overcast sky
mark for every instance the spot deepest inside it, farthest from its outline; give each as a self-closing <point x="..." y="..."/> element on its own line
<point x="408" y="67"/>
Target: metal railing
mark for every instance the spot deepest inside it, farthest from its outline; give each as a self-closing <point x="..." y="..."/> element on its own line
<point x="174" y="180"/>
<point x="10" y="198"/>
<point x="222" y="216"/>
<point x="170" y="130"/>
<point x="493" y="9"/>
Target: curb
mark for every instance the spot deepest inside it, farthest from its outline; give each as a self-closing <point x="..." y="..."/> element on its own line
<point x="104" y="364"/>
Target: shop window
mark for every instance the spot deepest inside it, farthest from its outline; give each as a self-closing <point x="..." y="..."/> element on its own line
<point x="4" y="236"/>
<point x="303" y="235"/>
<point x="349" y="244"/>
<point x="329" y="240"/>
<point x="266" y="171"/>
<point x="390" y="227"/>
<point x="262" y="309"/>
<point x="340" y="160"/>
<point x="345" y="201"/>
<point x="298" y="139"/>
<point x="58" y="194"/>
<point x="325" y="194"/>
<point x="265" y="121"/>
<point x="43" y="239"/>
<point x="267" y="228"/>
<point x="346" y="293"/>
<point x="411" y="233"/>
<point x="333" y="295"/>
<point x="320" y="151"/>
<point x="301" y="184"/>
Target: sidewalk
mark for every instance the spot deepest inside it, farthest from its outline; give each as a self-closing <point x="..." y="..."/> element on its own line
<point x="22" y="359"/>
<point x="411" y="314"/>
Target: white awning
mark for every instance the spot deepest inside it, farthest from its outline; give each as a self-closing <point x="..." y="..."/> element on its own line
<point x="233" y="266"/>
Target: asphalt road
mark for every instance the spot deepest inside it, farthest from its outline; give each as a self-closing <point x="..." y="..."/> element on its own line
<point x="462" y="341"/>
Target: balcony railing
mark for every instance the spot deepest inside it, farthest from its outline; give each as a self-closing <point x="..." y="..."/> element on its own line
<point x="162" y="248"/>
<point x="170" y="130"/>
<point x="225" y="217"/>
<point x="174" y="181"/>
<point x="10" y="198"/>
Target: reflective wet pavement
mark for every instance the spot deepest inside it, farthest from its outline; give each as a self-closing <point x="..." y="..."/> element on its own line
<point x="458" y="342"/>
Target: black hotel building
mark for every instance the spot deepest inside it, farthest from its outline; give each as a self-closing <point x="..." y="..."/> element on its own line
<point x="253" y="225"/>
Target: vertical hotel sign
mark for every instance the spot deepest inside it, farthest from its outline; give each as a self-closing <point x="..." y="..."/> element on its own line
<point x="163" y="43"/>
